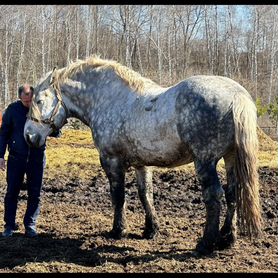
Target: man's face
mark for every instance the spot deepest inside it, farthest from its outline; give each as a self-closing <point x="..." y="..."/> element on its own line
<point x="26" y="97"/>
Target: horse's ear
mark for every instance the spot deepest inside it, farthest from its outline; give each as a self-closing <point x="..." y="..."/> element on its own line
<point x="53" y="74"/>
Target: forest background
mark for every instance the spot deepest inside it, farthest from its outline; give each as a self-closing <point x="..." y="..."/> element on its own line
<point x="166" y="43"/>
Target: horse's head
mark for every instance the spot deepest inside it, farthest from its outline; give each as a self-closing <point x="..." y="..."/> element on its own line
<point x="47" y="112"/>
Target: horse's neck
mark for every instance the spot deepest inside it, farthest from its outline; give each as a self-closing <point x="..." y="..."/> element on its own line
<point x="75" y="101"/>
<point x="83" y="98"/>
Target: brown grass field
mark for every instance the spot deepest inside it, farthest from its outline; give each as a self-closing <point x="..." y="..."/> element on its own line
<point x="76" y="214"/>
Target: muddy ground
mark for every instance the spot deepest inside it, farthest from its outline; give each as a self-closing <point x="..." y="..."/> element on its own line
<point x="76" y="216"/>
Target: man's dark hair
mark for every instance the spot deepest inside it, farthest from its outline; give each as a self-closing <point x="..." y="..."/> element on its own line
<point x="21" y="88"/>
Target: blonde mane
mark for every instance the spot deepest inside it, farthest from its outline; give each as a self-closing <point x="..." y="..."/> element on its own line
<point x="133" y="79"/>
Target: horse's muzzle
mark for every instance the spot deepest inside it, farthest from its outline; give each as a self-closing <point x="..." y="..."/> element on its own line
<point x="32" y="139"/>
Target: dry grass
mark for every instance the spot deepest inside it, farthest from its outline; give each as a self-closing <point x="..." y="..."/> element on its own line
<point x="73" y="153"/>
<point x="268" y="150"/>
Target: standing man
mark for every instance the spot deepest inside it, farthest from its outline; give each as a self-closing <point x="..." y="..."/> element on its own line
<point x="22" y="160"/>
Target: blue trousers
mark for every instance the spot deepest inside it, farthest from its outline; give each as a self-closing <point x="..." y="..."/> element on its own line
<point x="16" y="169"/>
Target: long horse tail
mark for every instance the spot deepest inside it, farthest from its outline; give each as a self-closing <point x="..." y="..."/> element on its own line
<point x="246" y="151"/>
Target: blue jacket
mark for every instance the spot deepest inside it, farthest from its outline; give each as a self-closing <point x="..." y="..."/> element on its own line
<point x="11" y="134"/>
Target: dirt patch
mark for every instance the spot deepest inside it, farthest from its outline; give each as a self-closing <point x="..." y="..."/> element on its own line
<point x="76" y="216"/>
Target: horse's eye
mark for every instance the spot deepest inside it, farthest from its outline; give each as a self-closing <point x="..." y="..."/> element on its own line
<point x="39" y="102"/>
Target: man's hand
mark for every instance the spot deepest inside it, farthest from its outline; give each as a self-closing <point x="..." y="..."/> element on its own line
<point x="2" y="164"/>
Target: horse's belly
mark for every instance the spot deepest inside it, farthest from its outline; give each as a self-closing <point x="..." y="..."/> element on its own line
<point x="176" y="158"/>
<point x="167" y="150"/>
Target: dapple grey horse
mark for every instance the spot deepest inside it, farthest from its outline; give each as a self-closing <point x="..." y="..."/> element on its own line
<point x="135" y="122"/>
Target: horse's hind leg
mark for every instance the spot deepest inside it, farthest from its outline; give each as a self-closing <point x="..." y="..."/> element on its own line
<point x="145" y="190"/>
<point x="212" y="193"/>
<point x="228" y="231"/>
<point x="115" y="172"/>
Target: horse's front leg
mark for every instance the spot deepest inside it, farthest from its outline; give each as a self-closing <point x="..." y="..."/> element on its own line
<point x="145" y="190"/>
<point x="115" y="172"/>
<point x="212" y="193"/>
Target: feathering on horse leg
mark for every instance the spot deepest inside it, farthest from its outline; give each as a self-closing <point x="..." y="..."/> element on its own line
<point x="145" y="190"/>
<point x="212" y="192"/>
<point x="116" y="175"/>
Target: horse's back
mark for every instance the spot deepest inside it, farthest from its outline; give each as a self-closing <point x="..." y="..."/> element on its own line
<point x="219" y="88"/>
<point x="205" y="117"/>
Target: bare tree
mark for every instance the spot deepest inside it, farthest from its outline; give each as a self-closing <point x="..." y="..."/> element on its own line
<point x="7" y="51"/>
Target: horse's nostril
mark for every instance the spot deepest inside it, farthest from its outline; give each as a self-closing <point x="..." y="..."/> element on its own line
<point x="28" y="138"/>
<point x="32" y="139"/>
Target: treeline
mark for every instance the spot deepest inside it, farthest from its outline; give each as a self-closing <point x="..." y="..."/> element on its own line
<point x="164" y="43"/>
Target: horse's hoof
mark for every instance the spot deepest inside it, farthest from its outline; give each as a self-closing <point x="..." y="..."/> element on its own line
<point x="117" y="234"/>
<point x="204" y="249"/>
<point x="226" y="241"/>
<point x="150" y="234"/>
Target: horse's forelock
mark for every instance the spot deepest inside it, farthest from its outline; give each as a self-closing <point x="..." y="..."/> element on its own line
<point x="34" y="111"/>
